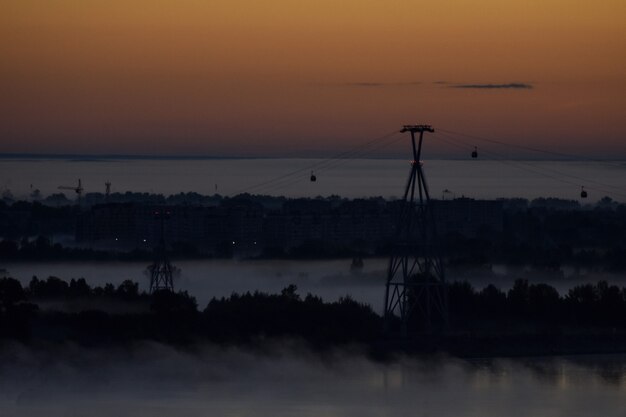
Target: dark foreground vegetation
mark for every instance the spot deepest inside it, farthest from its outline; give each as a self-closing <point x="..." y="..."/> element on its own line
<point x="528" y="319"/>
<point x="55" y="310"/>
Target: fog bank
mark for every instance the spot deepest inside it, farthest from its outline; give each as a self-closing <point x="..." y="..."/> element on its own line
<point x="286" y="380"/>
<point x="329" y="279"/>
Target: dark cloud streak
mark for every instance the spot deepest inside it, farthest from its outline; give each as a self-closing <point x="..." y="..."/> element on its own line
<point x="513" y="86"/>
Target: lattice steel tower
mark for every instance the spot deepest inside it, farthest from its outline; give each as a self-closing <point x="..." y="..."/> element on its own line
<point x="415" y="295"/>
<point x="161" y="271"/>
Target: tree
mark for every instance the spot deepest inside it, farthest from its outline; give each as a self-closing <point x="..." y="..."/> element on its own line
<point x="128" y="289"/>
<point x="290" y="293"/>
<point x="11" y="291"/>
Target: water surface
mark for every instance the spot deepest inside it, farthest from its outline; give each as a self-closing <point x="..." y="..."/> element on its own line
<point x="350" y="178"/>
<point x="285" y="380"/>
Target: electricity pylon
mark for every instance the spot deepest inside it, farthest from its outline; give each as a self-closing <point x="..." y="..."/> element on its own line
<point x="161" y="271"/>
<point x="416" y="291"/>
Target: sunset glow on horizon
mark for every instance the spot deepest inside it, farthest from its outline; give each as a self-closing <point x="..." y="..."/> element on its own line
<point x="245" y="77"/>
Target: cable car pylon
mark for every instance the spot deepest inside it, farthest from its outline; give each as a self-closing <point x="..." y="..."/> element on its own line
<point x="416" y="294"/>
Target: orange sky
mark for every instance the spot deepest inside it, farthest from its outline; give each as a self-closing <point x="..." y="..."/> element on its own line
<point x="277" y="76"/>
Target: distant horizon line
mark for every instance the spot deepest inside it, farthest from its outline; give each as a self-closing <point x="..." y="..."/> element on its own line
<point x="108" y="156"/>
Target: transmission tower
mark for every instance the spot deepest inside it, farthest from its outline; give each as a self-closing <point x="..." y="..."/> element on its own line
<point x="415" y="294"/>
<point x="161" y="271"/>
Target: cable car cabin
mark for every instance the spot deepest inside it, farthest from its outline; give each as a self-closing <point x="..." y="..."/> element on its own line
<point x="583" y="193"/>
<point x="475" y="152"/>
<point x="313" y="177"/>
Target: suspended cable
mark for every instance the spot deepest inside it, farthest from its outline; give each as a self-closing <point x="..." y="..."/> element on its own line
<point x="376" y="143"/>
<point x="317" y="165"/>
<point x="523" y="165"/>
<point x="586" y="180"/>
<point x="329" y="164"/>
<point x="529" y="148"/>
<point x="501" y="159"/>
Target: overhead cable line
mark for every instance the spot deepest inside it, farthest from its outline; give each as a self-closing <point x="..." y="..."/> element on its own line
<point x="524" y="165"/>
<point x="330" y="164"/>
<point x="530" y="148"/>
<point x="587" y="180"/>
<point x="317" y="165"/>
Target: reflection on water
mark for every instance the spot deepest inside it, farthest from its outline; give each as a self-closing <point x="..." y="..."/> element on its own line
<point x="156" y="380"/>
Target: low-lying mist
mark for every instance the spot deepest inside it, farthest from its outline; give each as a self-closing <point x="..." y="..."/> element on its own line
<point x="286" y="380"/>
<point x="329" y="279"/>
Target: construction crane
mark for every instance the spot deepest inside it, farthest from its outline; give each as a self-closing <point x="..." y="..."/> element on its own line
<point x="78" y="189"/>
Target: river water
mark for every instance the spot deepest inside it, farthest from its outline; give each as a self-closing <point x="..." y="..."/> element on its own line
<point x="483" y="179"/>
<point x="286" y="380"/>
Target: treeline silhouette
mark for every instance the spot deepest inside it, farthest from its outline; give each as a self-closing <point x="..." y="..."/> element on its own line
<point x="242" y="317"/>
<point x="57" y="310"/>
<point x="534" y="319"/>
<point x="539" y="305"/>
<point x="589" y="317"/>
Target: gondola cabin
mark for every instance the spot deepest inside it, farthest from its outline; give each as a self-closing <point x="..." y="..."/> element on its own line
<point x="475" y="152"/>
<point x="313" y="177"/>
<point x="583" y="193"/>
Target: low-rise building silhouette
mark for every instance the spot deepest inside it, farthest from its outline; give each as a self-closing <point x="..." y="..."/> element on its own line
<point x="248" y="227"/>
